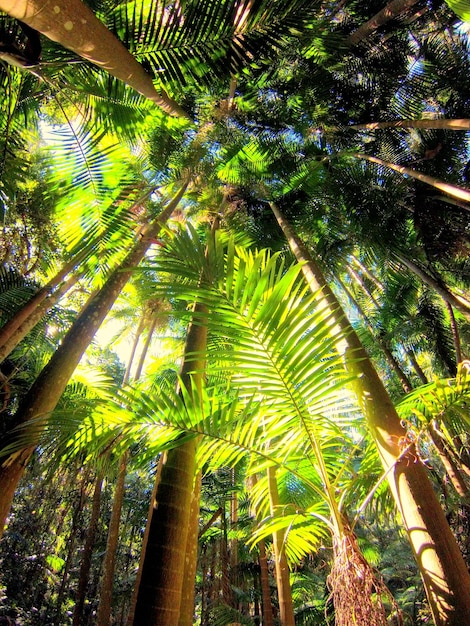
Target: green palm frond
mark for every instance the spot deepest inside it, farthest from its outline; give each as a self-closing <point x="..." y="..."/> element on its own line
<point x="444" y="400"/>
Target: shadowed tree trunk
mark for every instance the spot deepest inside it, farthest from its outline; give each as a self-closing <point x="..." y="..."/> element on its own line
<point x="446" y="124"/>
<point x="390" y="11"/>
<point x="85" y="566"/>
<point x="45" y="393"/>
<point x="267" y="607"/>
<point x="444" y="573"/>
<point x="452" y="190"/>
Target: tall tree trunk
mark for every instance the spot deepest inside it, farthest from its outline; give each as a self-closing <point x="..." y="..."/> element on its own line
<point x="284" y="591"/>
<point x="106" y="589"/>
<point x="455" y="334"/>
<point x="188" y="595"/>
<point x="391" y="10"/>
<point x="24" y="329"/>
<point x="72" y="24"/>
<point x="450" y="466"/>
<point x="267" y="607"/>
<point x="445" y="124"/>
<point x="391" y="360"/>
<point x="45" y="393"/>
<point x="444" y="573"/>
<point x="160" y="589"/>
<point x="460" y="303"/>
<point x="49" y="292"/>
<point x="85" y="566"/>
<point x="452" y="190"/>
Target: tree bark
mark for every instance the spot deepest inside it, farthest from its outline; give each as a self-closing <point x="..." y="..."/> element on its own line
<point x="445" y="124"/>
<point x="267" y="607"/>
<point x="72" y="24"/>
<point x="106" y="588"/>
<point x="284" y="591"/>
<point x="87" y="553"/>
<point x="461" y="304"/>
<point x="444" y="573"/>
<point x="452" y="190"/>
<point x="160" y="590"/>
<point x="45" y="393"/>
<point x="390" y="11"/>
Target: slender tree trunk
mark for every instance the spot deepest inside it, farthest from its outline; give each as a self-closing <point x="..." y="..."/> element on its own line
<point x="390" y="11"/>
<point x="34" y="318"/>
<point x="391" y="360"/>
<point x="455" y="334"/>
<point x="72" y="24"/>
<point x="417" y="367"/>
<point x="188" y="595"/>
<point x="160" y="589"/>
<point x="461" y="304"/>
<point x="446" y="124"/>
<point x="267" y="607"/>
<point x="87" y="553"/>
<point x="453" y="472"/>
<point x="284" y="592"/>
<point x="445" y="576"/>
<point x="106" y="590"/>
<point x="43" y="396"/>
<point x="452" y="190"/>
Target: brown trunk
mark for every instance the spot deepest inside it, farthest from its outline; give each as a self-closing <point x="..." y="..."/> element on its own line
<point x="390" y="11"/>
<point x="160" y="589"/>
<point x="267" y="607"/>
<point x="36" y="315"/>
<point x="455" y="334"/>
<point x="188" y="595"/>
<point x="452" y="190"/>
<point x="87" y="554"/>
<point x="393" y="363"/>
<point x="453" y="472"/>
<point x="106" y="589"/>
<point x="72" y="24"/>
<point x="445" y="576"/>
<point x="417" y="367"/>
<point x="43" y="396"/>
<point x="461" y="124"/>
<point x="458" y="302"/>
<point x="284" y="592"/>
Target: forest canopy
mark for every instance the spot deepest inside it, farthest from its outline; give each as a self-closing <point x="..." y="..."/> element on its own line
<point x="234" y="312"/>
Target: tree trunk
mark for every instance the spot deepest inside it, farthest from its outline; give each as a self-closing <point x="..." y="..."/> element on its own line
<point x="452" y="190"/>
<point x="445" y="576"/>
<point x="72" y="24"/>
<point x="106" y="589"/>
<point x="160" y="589"/>
<point x="391" y="360"/>
<point x="461" y="304"/>
<point x="450" y="466"/>
<point x="267" y="607"/>
<point x="188" y="595"/>
<point x="390" y="11"/>
<point x="87" y="553"/>
<point x="284" y="592"/>
<point x="35" y="317"/>
<point x="455" y="334"/>
<point x="446" y="124"/>
<point x="43" y="396"/>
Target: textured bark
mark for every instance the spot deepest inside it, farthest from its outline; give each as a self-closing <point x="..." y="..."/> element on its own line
<point x="188" y="594"/>
<point x="161" y="580"/>
<point x="452" y="190"/>
<point x="72" y="24"/>
<point x="284" y="592"/>
<point x="450" y="466"/>
<point x="461" y="304"/>
<point x="446" y="124"/>
<point x="36" y="315"/>
<point x="444" y="573"/>
<point x="267" y="607"/>
<point x="106" y="588"/>
<point x="45" y="393"/>
<point x="390" y="11"/>
<point x="85" y="566"/>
